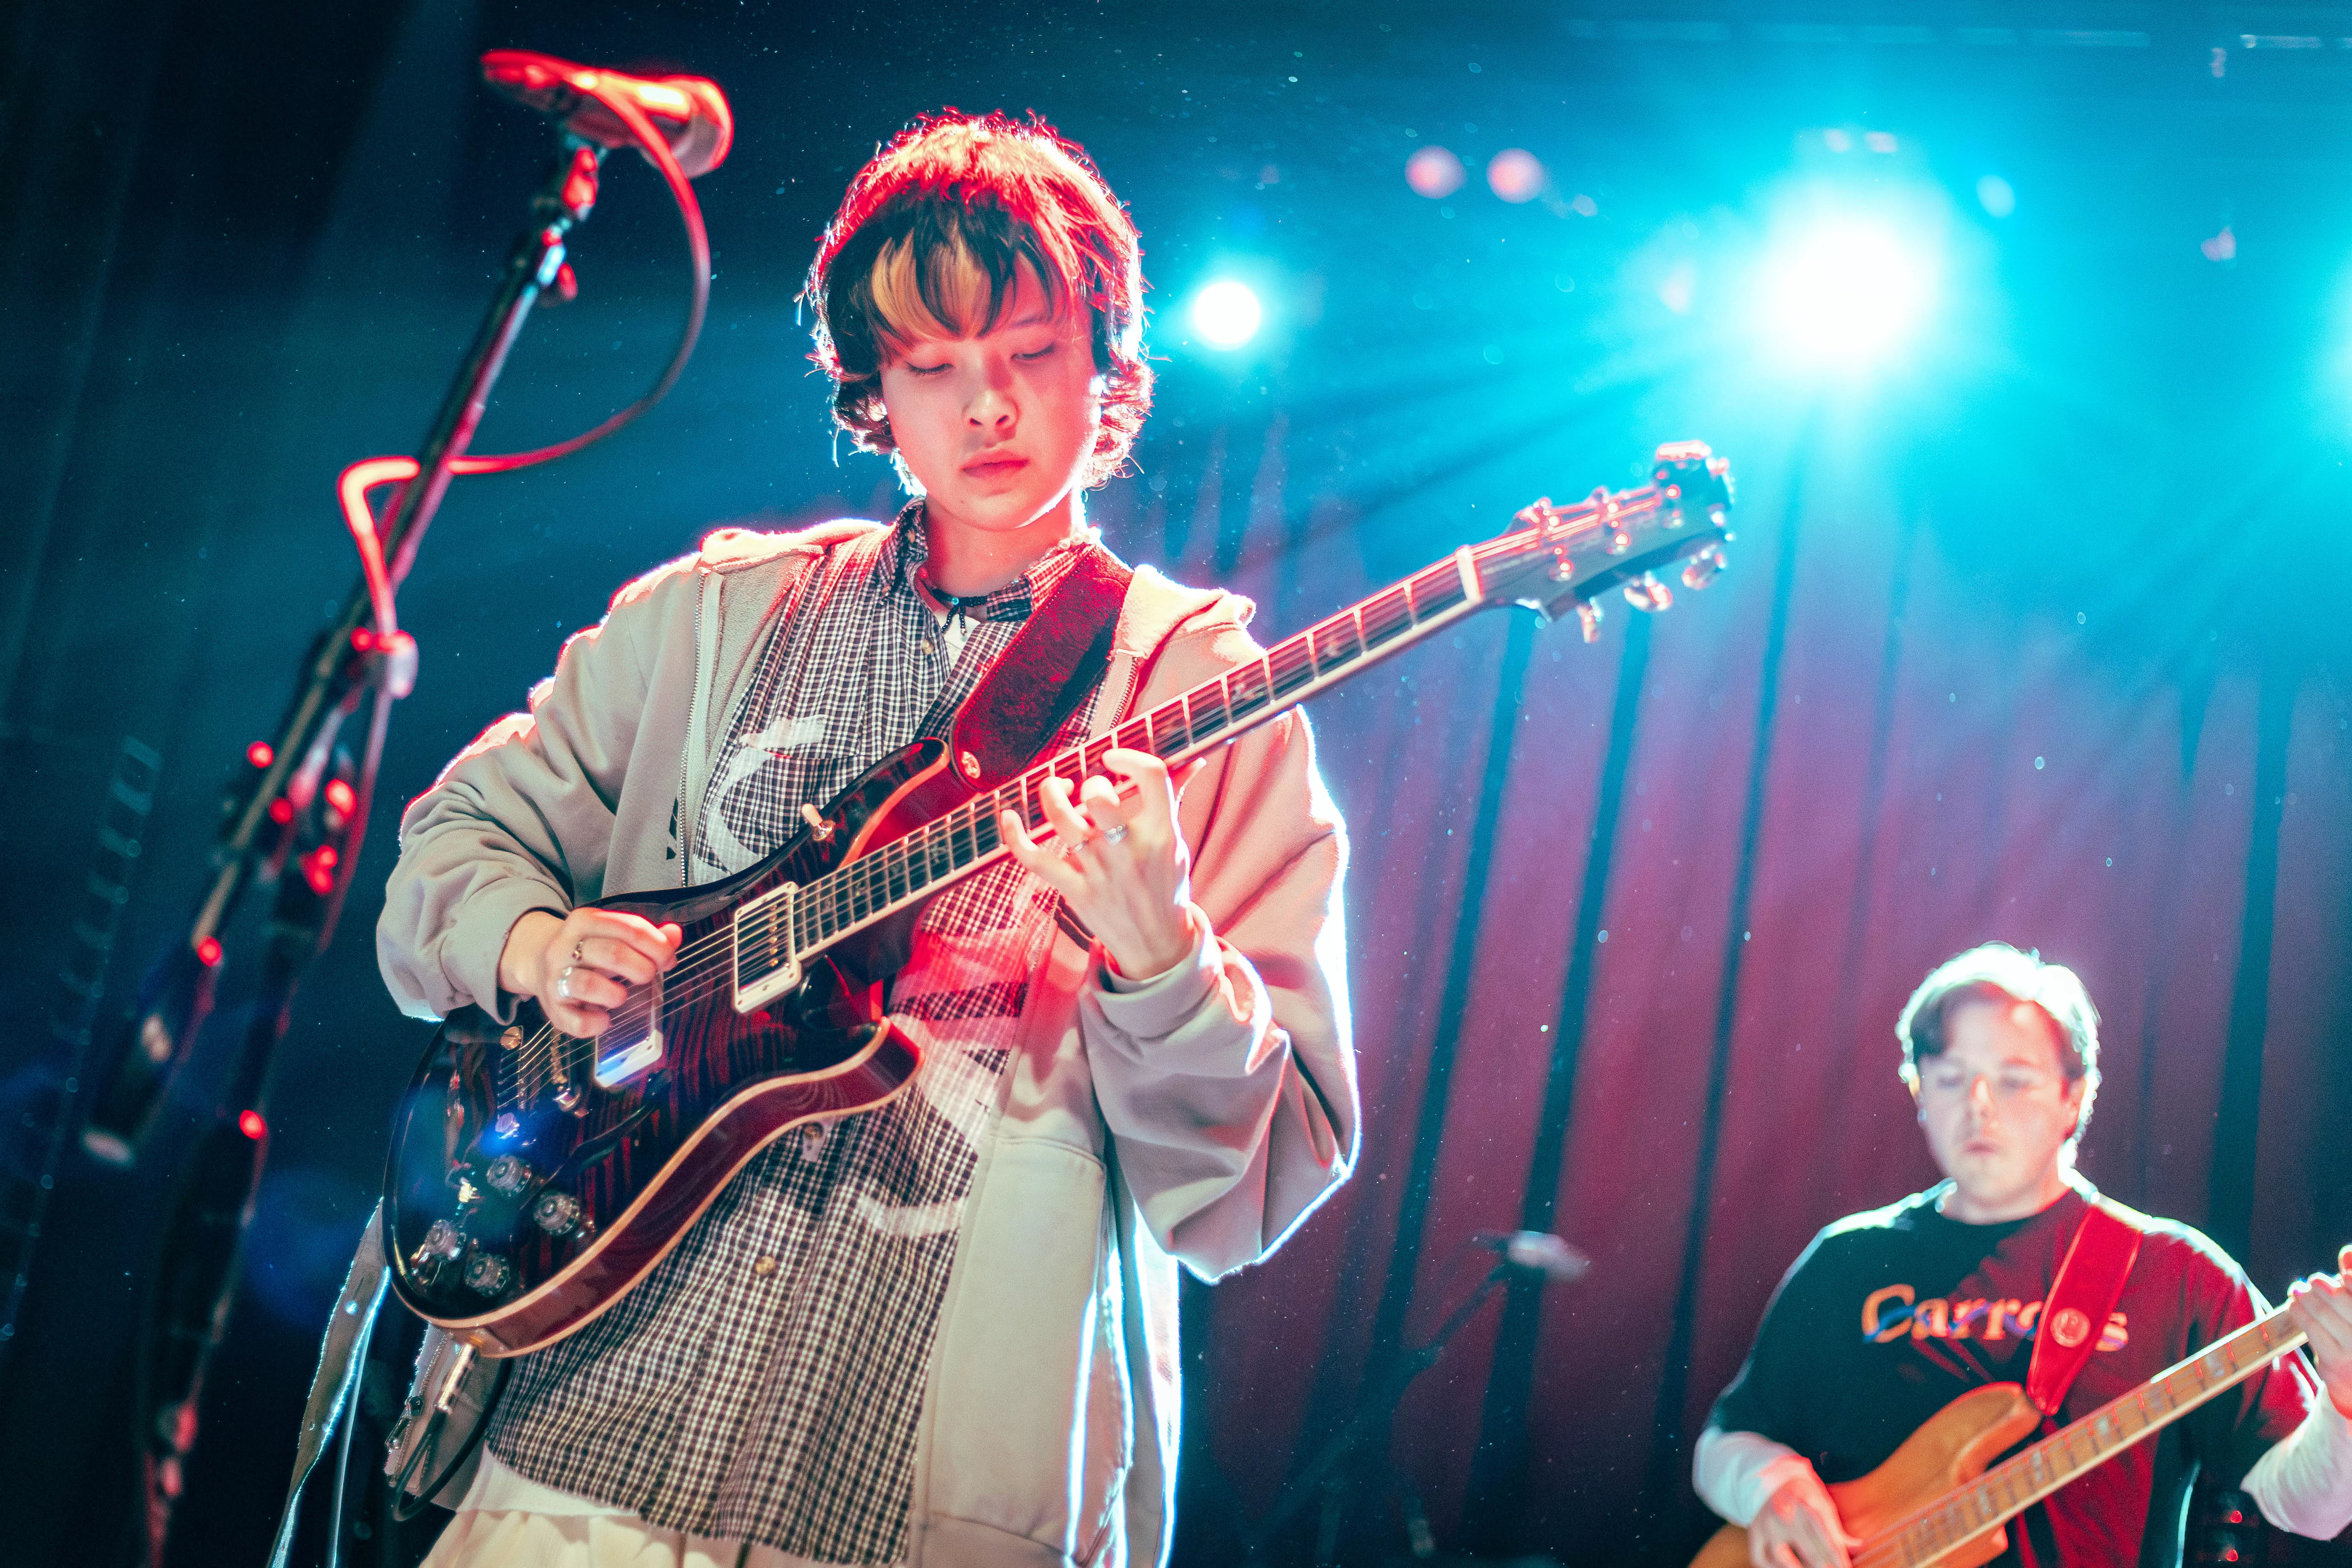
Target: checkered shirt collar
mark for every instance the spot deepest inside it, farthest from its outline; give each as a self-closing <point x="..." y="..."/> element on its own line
<point x="909" y="546"/>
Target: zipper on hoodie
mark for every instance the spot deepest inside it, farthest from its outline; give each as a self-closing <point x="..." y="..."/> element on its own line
<point x="686" y="753"/>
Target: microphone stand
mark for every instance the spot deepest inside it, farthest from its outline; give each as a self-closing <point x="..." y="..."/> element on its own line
<point x="1374" y="1411"/>
<point x="297" y="811"/>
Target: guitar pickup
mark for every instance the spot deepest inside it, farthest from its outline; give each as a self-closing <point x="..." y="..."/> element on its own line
<point x="766" y="966"/>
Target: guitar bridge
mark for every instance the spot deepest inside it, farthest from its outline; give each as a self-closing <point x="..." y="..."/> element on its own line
<point x="766" y="965"/>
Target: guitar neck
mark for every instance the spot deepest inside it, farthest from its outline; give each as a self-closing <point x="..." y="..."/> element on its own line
<point x="871" y="888"/>
<point x="2016" y="1484"/>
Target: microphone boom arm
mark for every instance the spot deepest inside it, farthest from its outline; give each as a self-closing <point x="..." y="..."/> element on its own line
<point x="277" y="804"/>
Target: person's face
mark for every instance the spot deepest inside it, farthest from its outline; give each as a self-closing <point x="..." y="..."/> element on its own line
<point x="998" y="428"/>
<point x="1998" y="1108"/>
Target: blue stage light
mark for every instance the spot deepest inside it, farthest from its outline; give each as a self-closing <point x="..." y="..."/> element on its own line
<point x="1846" y="292"/>
<point x="1226" y="313"/>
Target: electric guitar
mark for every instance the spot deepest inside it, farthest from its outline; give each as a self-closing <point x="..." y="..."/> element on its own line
<point x="535" y="1177"/>
<point x="1934" y="1501"/>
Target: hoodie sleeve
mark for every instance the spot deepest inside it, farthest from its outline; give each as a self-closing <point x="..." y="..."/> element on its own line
<point x="522" y="820"/>
<point x="1229" y="1084"/>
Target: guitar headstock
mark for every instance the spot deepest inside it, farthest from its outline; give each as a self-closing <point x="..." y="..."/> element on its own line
<point x="1557" y="560"/>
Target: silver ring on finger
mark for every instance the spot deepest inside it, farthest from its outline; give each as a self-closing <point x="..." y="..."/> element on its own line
<point x="563" y="983"/>
<point x="1114" y="832"/>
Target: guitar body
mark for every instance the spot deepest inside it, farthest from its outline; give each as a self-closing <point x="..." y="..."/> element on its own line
<point x="1951" y="1448"/>
<point x="535" y="1177"/>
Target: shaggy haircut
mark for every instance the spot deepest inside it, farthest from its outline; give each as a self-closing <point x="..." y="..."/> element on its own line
<point x="928" y="241"/>
<point x="1998" y="973"/>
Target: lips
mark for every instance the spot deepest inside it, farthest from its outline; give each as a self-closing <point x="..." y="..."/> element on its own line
<point x="999" y="467"/>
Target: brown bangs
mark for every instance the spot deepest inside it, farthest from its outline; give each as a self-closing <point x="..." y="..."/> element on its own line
<point x="945" y="290"/>
<point x="929" y="242"/>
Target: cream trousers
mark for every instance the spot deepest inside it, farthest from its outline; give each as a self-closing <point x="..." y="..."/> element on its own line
<point x="507" y="1520"/>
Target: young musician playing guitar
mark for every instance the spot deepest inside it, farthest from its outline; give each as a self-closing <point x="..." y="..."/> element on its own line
<point x="1890" y="1315"/>
<point x="941" y="1331"/>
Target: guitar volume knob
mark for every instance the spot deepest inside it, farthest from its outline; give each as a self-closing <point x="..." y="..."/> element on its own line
<point x="488" y="1274"/>
<point x="441" y="1240"/>
<point x="507" y="1174"/>
<point x="556" y="1213"/>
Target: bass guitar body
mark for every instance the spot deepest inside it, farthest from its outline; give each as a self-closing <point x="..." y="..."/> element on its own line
<point x="1950" y="1451"/>
<point x="534" y="1176"/>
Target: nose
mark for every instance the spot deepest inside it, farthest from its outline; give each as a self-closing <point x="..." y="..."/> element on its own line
<point x="1980" y="1098"/>
<point x="992" y="408"/>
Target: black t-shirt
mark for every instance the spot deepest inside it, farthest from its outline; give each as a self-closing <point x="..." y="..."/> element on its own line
<point x="1891" y="1315"/>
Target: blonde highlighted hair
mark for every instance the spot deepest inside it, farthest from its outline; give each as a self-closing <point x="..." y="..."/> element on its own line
<point x="930" y="240"/>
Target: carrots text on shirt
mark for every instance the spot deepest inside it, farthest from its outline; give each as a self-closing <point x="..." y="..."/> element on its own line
<point x="1892" y="1312"/>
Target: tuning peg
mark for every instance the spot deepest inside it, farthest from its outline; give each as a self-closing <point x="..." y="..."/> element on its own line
<point x="1701" y="569"/>
<point x="1615" y="539"/>
<point x="1588" y="617"/>
<point x="1646" y="593"/>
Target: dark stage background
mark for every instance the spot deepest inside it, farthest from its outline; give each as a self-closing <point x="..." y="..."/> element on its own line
<point x="2040" y="634"/>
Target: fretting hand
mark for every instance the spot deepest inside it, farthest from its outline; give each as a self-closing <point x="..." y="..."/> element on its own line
<point x="1798" y="1527"/>
<point x="2321" y="1307"/>
<point x="1122" y="866"/>
<point x="581" y="967"/>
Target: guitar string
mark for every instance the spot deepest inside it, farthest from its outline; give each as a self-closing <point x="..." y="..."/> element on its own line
<point x="1944" y="1523"/>
<point x="534" y="1060"/>
<point x="895" y="864"/>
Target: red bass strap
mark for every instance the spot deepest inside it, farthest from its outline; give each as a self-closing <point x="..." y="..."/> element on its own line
<point x="1038" y="681"/>
<point x="2089" y="1283"/>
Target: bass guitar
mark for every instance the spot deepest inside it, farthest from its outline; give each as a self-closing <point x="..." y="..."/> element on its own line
<point x="1934" y="1501"/>
<point x="535" y="1177"/>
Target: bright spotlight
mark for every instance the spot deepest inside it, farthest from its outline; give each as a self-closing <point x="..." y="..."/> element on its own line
<point x="1226" y="313"/>
<point x="1845" y="291"/>
<point x="1516" y="176"/>
<point x="1434" y="171"/>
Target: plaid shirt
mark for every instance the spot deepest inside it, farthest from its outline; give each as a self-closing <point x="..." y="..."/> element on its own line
<point x="763" y="1383"/>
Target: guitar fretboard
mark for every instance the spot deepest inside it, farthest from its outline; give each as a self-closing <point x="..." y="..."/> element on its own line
<point x="2014" y="1485"/>
<point x="966" y="839"/>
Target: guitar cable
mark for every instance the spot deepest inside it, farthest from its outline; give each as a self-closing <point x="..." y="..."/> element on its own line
<point x="400" y="1506"/>
<point x="368" y="473"/>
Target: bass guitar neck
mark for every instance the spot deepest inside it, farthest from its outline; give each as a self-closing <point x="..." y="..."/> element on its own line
<point x="1939" y="1501"/>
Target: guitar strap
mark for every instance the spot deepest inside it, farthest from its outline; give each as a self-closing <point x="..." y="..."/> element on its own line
<point x="1038" y="681"/>
<point x="2074" y="1314"/>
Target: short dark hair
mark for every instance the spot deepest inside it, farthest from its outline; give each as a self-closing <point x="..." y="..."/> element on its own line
<point x="952" y="206"/>
<point x="1996" y="972"/>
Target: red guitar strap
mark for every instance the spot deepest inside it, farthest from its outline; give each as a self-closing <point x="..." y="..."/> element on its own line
<point x="2089" y="1283"/>
<point x="1038" y="681"/>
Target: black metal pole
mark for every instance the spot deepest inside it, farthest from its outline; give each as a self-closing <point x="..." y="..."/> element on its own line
<point x="1374" y="1409"/>
<point x="177" y="993"/>
<point x="311" y="845"/>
